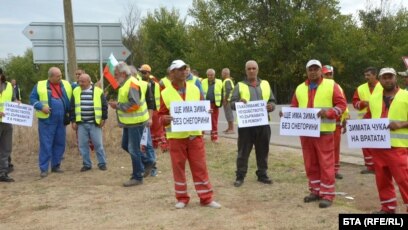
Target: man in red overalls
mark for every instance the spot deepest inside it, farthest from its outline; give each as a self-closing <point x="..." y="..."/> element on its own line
<point x="185" y="146"/>
<point x="391" y="103"/>
<point x="360" y="102"/>
<point x="328" y="72"/>
<point x="318" y="152"/>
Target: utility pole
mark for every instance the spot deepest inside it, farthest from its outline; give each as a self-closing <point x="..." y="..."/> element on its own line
<point x="70" y="38"/>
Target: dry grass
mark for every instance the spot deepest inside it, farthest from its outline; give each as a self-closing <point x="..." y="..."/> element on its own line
<point x="96" y="199"/>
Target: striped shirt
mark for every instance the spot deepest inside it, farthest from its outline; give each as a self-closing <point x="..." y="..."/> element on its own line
<point x="87" y="105"/>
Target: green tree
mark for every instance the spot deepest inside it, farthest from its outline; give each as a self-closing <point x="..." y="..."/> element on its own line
<point x="163" y="38"/>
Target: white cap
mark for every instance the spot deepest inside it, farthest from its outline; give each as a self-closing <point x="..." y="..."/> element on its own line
<point x="313" y="62"/>
<point x="177" y="64"/>
<point x="387" y="70"/>
<point x="404" y="74"/>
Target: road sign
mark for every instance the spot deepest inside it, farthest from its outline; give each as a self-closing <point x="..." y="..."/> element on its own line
<point x="94" y="42"/>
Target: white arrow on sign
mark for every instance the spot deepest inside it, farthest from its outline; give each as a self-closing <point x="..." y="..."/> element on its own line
<point x="93" y="42"/>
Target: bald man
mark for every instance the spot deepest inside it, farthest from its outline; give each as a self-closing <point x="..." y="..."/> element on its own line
<point x="51" y="100"/>
<point x="89" y="110"/>
<point x="253" y="89"/>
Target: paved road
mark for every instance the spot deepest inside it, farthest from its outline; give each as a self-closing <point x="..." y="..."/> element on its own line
<point x="277" y="139"/>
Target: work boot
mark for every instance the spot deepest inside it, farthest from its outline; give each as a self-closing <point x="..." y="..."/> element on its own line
<point x="339" y="176"/>
<point x="239" y="181"/>
<point x="148" y="169"/>
<point x="132" y="182"/>
<point x="311" y="198"/>
<point x="325" y="203"/>
<point x="367" y="171"/>
<point x="5" y="178"/>
<point x="57" y="170"/>
<point x="43" y="174"/>
<point x="265" y="179"/>
<point x="102" y="167"/>
<point x="85" y="168"/>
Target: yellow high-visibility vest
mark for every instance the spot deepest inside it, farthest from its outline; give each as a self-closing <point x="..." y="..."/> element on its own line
<point x="169" y="95"/>
<point x="42" y="92"/>
<point x="157" y="95"/>
<point x="364" y="95"/>
<point x="166" y="82"/>
<point x="224" y="89"/>
<point x="245" y="94"/>
<point x="217" y="90"/>
<point x="140" y="115"/>
<point x="6" y="96"/>
<point x="397" y="112"/>
<point x="323" y="99"/>
<point x="97" y="103"/>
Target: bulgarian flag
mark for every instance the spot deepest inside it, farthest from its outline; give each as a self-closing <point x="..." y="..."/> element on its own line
<point x="109" y="71"/>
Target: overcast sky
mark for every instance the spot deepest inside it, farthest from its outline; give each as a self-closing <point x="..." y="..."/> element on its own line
<point x="15" y="15"/>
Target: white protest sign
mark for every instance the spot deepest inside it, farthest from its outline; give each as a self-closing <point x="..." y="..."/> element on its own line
<point x="368" y="133"/>
<point x="300" y="122"/>
<point x="18" y="114"/>
<point x="190" y="116"/>
<point x="253" y="113"/>
<point x="143" y="141"/>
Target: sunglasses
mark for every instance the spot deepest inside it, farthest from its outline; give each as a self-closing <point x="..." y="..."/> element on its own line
<point x="251" y="68"/>
<point x="144" y="72"/>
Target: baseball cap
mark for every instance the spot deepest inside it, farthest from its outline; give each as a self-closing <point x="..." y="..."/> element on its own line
<point x="327" y="69"/>
<point x="387" y="70"/>
<point x="145" y="67"/>
<point x="313" y="62"/>
<point x="177" y="64"/>
<point x="404" y="73"/>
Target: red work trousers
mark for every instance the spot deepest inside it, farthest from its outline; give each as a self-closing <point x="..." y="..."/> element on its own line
<point x="388" y="164"/>
<point x="214" y="122"/>
<point x="157" y="132"/>
<point x="368" y="158"/>
<point x="192" y="150"/>
<point x="337" y="140"/>
<point x="318" y="155"/>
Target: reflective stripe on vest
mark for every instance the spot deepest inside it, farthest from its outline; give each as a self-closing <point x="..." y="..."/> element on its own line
<point x="217" y="90"/>
<point x="323" y="100"/>
<point x="97" y="103"/>
<point x="364" y="95"/>
<point x="140" y="115"/>
<point x="245" y="94"/>
<point x="6" y="96"/>
<point x="224" y="89"/>
<point x="398" y="112"/>
<point x="42" y="92"/>
<point x="157" y="95"/>
<point x="170" y="94"/>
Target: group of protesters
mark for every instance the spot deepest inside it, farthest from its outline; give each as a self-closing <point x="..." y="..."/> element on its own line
<point x="143" y="111"/>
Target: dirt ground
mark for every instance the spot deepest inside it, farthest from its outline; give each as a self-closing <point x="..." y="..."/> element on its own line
<point x="97" y="200"/>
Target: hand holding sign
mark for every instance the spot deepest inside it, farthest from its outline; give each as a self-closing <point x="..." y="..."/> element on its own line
<point x="368" y="133"/>
<point x="394" y="125"/>
<point x="252" y="113"/>
<point x="300" y="122"/>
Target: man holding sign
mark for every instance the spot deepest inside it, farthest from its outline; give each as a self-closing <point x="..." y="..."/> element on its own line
<point x="360" y="102"/>
<point x="391" y="103"/>
<point x="253" y="89"/>
<point x="6" y="130"/>
<point x="185" y="145"/>
<point x="318" y="152"/>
